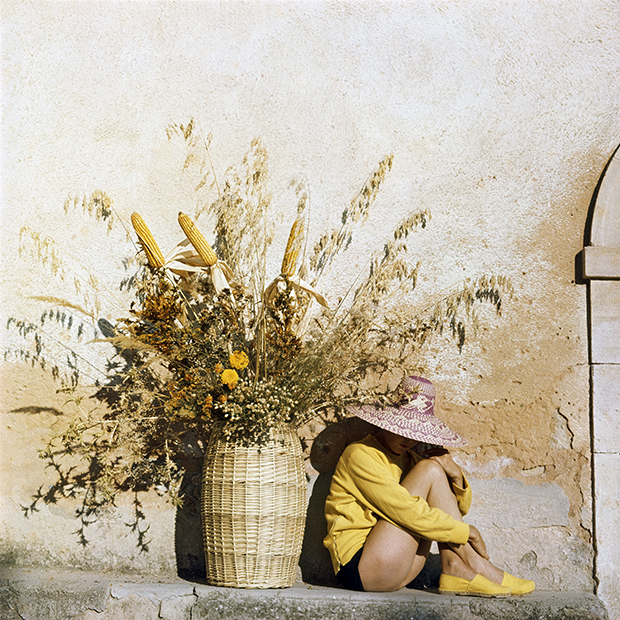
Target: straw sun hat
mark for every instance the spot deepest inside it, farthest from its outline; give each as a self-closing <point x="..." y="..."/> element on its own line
<point x="409" y="414"/>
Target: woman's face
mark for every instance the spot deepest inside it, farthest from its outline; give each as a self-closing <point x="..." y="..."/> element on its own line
<point x="394" y="443"/>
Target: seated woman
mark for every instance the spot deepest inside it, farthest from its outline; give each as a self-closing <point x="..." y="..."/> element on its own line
<point x="387" y="504"/>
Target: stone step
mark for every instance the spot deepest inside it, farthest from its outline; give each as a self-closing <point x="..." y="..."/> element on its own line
<point x="53" y="595"/>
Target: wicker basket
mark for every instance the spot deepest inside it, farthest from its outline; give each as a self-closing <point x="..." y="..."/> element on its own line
<point x="254" y="511"/>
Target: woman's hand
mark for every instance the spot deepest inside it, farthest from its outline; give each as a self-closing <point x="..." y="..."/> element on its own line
<point x="444" y="458"/>
<point x="475" y="540"/>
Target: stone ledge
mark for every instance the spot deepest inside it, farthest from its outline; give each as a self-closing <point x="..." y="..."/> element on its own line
<point x="601" y="263"/>
<point x="53" y="595"/>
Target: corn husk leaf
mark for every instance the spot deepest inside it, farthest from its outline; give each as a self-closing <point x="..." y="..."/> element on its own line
<point x="184" y="260"/>
<point x="279" y="285"/>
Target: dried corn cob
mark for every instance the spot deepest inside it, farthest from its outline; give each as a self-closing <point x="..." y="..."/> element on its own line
<point x="147" y="242"/>
<point x="197" y="239"/>
<point x="293" y="247"/>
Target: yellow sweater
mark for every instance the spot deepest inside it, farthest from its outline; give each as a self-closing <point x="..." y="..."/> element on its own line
<point x="366" y="486"/>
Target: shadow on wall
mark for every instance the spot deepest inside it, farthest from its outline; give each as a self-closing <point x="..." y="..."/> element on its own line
<point x="188" y="542"/>
<point x="315" y="561"/>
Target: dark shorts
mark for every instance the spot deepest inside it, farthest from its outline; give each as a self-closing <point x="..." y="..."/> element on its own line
<point x="349" y="574"/>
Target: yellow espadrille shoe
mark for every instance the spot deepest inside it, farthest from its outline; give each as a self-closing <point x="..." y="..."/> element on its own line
<point x="518" y="586"/>
<point x="478" y="586"/>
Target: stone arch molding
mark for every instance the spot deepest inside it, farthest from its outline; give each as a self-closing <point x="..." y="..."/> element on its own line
<point x="601" y="267"/>
<point x="602" y="256"/>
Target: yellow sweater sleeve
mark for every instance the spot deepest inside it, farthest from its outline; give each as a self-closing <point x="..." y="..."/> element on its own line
<point x="365" y="486"/>
<point x="463" y="496"/>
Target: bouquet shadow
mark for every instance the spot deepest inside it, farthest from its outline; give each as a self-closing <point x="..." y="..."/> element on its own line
<point x="188" y="536"/>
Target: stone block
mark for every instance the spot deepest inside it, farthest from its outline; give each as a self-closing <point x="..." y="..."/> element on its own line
<point x="607" y="503"/>
<point x="528" y="532"/>
<point x="133" y="606"/>
<point x="155" y="592"/>
<point x="179" y="608"/>
<point x="50" y="595"/>
<point x="517" y="505"/>
<point x="605" y="321"/>
<point x="606" y="408"/>
<point x="599" y="262"/>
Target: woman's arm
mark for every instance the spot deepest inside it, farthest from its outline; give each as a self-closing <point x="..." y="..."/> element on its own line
<point x="475" y="540"/>
<point x="366" y="475"/>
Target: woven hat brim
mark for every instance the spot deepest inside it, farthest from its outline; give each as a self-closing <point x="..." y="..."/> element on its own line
<point x="406" y="422"/>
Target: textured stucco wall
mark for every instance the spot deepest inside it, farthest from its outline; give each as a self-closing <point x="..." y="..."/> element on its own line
<point x="500" y="116"/>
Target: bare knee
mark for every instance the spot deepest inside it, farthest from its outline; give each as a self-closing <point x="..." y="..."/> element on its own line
<point x="391" y="558"/>
<point x="377" y="573"/>
<point x="430" y="468"/>
<point x="423" y="476"/>
<point x="384" y="573"/>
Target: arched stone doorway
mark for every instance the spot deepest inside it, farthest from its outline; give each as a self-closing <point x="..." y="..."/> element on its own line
<point x="601" y="267"/>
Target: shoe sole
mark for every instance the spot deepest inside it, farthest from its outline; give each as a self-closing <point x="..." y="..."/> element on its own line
<point x="481" y="594"/>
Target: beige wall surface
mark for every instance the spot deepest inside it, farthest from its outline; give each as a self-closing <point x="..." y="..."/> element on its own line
<point x="501" y="117"/>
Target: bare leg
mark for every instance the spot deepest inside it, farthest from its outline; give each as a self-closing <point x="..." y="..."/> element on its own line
<point x="392" y="557"/>
<point x="453" y="557"/>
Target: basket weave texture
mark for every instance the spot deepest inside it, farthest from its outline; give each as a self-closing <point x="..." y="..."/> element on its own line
<point x="254" y="510"/>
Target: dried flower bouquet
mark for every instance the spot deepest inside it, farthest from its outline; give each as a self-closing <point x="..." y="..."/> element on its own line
<point x="210" y="338"/>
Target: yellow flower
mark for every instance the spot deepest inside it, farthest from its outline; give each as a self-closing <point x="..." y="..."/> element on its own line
<point x="229" y="377"/>
<point x="238" y="360"/>
<point x="219" y="368"/>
